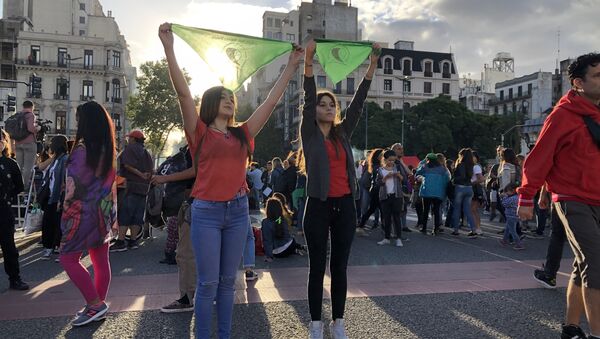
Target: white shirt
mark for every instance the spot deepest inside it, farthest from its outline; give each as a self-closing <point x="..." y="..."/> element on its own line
<point x="476" y="170"/>
<point x="389" y="182"/>
<point x="256" y="177"/>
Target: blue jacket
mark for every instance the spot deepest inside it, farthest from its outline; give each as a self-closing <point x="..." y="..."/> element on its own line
<point x="435" y="181"/>
<point x="59" y="178"/>
<point x="270" y="241"/>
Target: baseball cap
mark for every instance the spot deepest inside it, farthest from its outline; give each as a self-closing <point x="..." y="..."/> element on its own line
<point x="136" y="133"/>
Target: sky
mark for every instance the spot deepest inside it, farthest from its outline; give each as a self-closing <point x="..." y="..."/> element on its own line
<point x="474" y="30"/>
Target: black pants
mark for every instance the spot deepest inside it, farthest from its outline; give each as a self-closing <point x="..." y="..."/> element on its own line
<point x="419" y="208"/>
<point x="7" y="243"/>
<point x="391" y="209"/>
<point x="373" y="206"/>
<point x="289" y="251"/>
<point x="556" y="245"/>
<point x="429" y="204"/>
<point x="335" y="216"/>
<point x="51" y="226"/>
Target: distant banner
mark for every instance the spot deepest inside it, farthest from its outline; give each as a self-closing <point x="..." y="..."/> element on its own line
<point x="232" y="57"/>
<point x="340" y="58"/>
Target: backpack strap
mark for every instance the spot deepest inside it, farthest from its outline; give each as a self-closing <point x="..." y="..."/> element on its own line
<point x="594" y="129"/>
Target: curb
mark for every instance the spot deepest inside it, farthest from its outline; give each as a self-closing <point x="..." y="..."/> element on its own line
<point x="26" y="241"/>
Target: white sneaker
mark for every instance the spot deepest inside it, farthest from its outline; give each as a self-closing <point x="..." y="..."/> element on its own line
<point x="337" y="329"/>
<point x="384" y="242"/>
<point x="399" y="243"/>
<point x="479" y="231"/>
<point x="315" y="330"/>
<point x="47" y="254"/>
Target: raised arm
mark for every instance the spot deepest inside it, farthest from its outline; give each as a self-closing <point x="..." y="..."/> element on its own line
<point x="258" y="119"/>
<point x="186" y="101"/>
<point x="354" y="110"/>
<point x="308" y="123"/>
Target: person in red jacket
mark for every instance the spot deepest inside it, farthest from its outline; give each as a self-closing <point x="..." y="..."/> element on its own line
<point x="567" y="158"/>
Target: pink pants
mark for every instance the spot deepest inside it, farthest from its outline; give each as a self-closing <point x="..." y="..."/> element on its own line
<point x="80" y="276"/>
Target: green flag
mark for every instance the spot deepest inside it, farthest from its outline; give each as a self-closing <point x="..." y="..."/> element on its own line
<point x="340" y="58"/>
<point x="233" y="57"/>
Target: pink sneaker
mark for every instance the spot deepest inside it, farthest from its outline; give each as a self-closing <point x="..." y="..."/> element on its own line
<point x="503" y="242"/>
<point x="518" y="247"/>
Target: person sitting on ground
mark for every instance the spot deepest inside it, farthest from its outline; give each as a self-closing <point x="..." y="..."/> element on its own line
<point x="277" y="241"/>
<point x="287" y="214"/>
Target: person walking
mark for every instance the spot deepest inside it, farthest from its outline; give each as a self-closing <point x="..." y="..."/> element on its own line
<point x="331" y="190"/>
<point x="434" y="179"/>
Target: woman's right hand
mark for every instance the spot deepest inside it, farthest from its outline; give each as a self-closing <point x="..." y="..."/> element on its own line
<point x="166" y="35"/>
<point x="310" y="49"/>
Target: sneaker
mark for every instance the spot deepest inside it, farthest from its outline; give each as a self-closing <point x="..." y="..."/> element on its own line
<point x="119" y="246"/>
<point x="478" y="231"/>
<point x="315" y="330"/>
<point x="503" y="242"/>
<point x="80" y="312"/>
<point x="472" y="235"/>
<point x="361" y="232"/>
<point x="384" y="242"/>
<point x="399" y="243"/>
<point x="544" y="279"/>
<point x="518" y="247"/>
<point x="406" y="229"/>
<point x="57" y="260"/>
<point x="18" y="285"/>
<point x="133" y="244"/>
<point x="47" y="254"/>
<point x="251" y="275"/>
<point x="572" y="332"/>
<point x="177" y="306"/>
<point x="90" y="314"/>
<point x="337" y="329"/>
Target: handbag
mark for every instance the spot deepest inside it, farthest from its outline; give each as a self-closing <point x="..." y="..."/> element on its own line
<point x="33" y="220"/>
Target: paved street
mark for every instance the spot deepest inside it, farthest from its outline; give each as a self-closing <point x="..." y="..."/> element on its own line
<point x="433" y="287"/>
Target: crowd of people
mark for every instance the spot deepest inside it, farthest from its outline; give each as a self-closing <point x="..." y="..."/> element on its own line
<point x="318" y="195"/>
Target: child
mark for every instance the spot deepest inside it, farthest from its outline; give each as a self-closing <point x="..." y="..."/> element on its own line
<point x="391" y="198"/>
<point x="277" y="240"/>
<point x="287" y="214"/>
<point x="509" y="202"/>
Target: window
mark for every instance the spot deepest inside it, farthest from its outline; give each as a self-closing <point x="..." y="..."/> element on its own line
<point x="387" y="66"/>
<point x="407" y="67"/>
<point x="108" y="57"/>
<point x="446" y="70"/>
<point x="116" y="93"/>
<point x="446" y="89"/>
<point x="504" y="109"/>
<point x="350" y="86"/>
<point x="107" y="98"/>
<point x="387" y="85"/>
<point x="514" y="107"/>
<point x="290" y="37"/>
<point x="529" y="89"/>
<point x="270" y="35"/>
<point x="277" y="35"/>
<point x="117" y="59"/>
<point x="62" y="57"/>
<point x="495" y="109"/>
<point x="62" y="88"/>
<point x="406" y="106"/>
<point x="278" y="23"/>
<point x="88" y="58"/>
<point x="502" y="95"/>
<point x="88" y="90"/>
<point x="427" y="87"/>
<point x="61" y="122"/>
<point x="387" y="106"/>
<point x="34" y="58"/>
<point x="428" y="69"/>
<point x="323" y="23"/>
<point x="82" y="20"/>
<point x="338" y="88"/>
<point x="406" y="86"/>
<point x="269" y="22"/>
<point x="81" y="32"/>
<point x="510" y="93"/>
<point x="82" y="7"/>
<point x="292" y="23"/>
<point x="321" y="81"/>
<point x="520" y="91"/>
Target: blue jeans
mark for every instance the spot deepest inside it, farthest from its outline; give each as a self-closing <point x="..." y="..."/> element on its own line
<point x="462" y="201"/>
<point x="219" y="230"/>
<point x="511" y="230"/>
<point x="249" y="255"/>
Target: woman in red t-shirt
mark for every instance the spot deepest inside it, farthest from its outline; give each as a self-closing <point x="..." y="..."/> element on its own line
<point x="331" y="189"/>
<point x="220" y="149"/>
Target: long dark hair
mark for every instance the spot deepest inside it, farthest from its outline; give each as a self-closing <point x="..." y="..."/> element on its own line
<point x="508" y="155"/>
<point x="209" y="110"/>
<point x="465" y="158"/>
<point x="96" y="131"/>
<point x="373" y="160"/>
<point x="274" y="211"/>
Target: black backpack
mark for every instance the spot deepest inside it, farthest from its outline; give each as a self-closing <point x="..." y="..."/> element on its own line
<point x="174" y="194"/>
<point x="16" y="126"/>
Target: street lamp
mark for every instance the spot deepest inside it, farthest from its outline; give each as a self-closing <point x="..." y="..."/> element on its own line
<point x="404" y="79"/>
<point x="506" y="132"/>
<point x="69" y="59"/>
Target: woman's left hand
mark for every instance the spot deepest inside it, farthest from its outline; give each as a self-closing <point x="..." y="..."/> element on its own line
<point x="296" y="55"/>
<point x="375" y="53"/>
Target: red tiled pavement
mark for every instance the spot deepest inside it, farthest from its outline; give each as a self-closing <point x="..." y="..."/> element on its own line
<point x="149" y="292"/>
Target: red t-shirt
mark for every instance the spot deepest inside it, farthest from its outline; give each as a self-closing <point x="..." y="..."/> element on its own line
<point x="338" y="175"/>
<point x="222" y="163"/>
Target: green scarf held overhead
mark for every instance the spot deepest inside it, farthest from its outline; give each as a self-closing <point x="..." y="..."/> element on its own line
<point x="340" y="58"/>
<point x="232" y="57"/>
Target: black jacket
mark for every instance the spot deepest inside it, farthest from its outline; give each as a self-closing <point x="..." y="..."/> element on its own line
<point x="11" y="181"/>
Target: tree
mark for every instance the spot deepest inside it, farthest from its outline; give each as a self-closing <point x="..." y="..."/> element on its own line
<point x="155" y="109"/>
<point x="268" y="143"/>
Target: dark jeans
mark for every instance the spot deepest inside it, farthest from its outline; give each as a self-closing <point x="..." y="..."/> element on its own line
<point x="429" y="204"/>
<point x="51" y="233"/>
<point x="541" y="217"/>
<point x="391" y="210"/>
<point x="373" y="206"/>
<point x="289" y="251"/>
<point x="335" y="216"/>
<point x="556" y="245"/>
<point x="7" y="243"/>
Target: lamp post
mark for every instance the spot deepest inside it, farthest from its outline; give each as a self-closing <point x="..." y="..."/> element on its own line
<point x="69" y="59"/>
<point x="404" y="79"/>
<point x="506" y="132"/>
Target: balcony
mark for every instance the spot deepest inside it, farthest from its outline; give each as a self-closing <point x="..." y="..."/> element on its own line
<point x="388" y="71"/>
<point x="86" y="97"/>
<point x="117" y="100"/>
<point x="60" y="97"/>
<point x="53" y="64"/>
<point x="31" y="95"/>
<point x="446" y="75"/>
<point x="428" y="74"/>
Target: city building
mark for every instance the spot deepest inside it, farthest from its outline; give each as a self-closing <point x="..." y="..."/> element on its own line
<point x="530" y="95"/>
<point x="80" y="55"/>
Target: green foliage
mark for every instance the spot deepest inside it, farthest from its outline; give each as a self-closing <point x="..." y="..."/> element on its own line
<point x="437" y="125"/>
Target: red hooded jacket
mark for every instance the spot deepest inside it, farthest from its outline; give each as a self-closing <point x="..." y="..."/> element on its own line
<point x="565" y="155"/>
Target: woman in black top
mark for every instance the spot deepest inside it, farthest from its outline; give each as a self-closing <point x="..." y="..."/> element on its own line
<point x="331" y="189"/>
<point x="374" y="162"/>
<point x="11" y="184"/>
